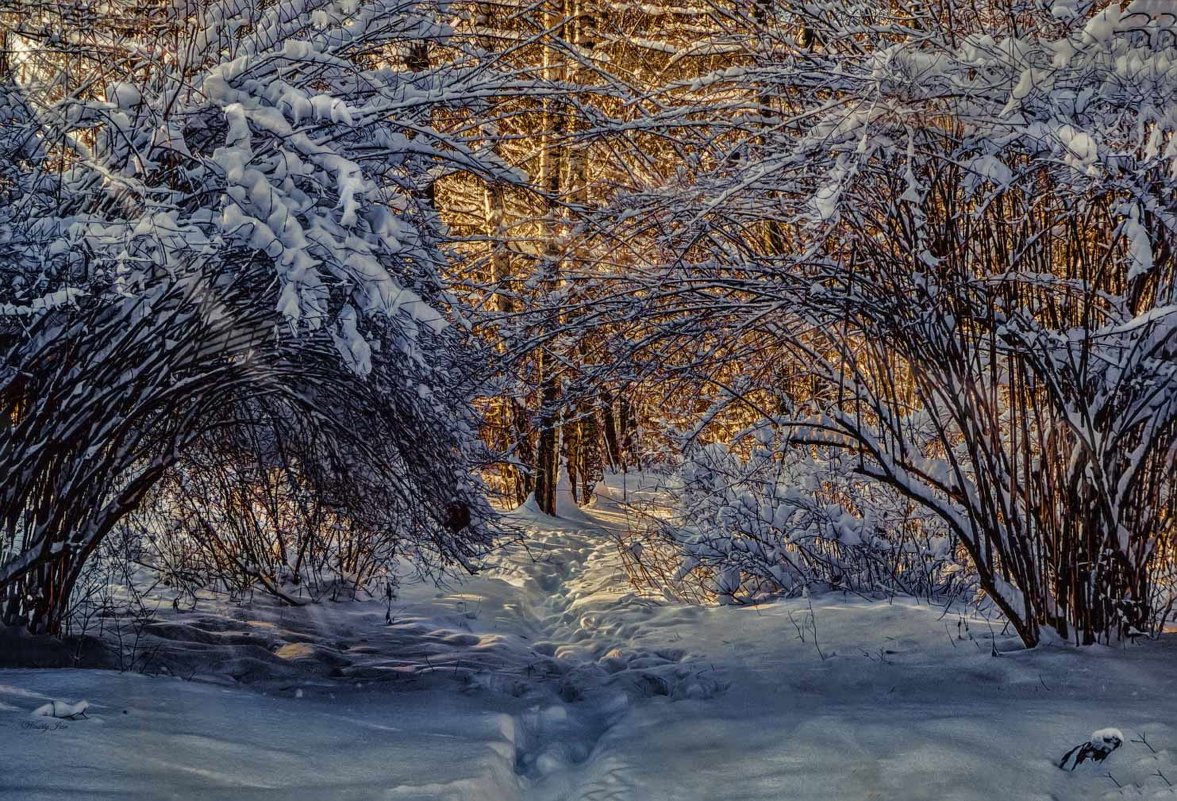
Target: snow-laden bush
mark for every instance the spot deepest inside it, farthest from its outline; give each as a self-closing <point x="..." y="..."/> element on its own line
<point x="964" y="220"/>
<point x="240" y="254"/>
<point x="773" y="518"/>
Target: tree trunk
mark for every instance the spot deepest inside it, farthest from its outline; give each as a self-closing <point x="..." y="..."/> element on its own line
<point x="613" y="454"/>
<point x="552" y="167"/>
<point x="547" y="456"/>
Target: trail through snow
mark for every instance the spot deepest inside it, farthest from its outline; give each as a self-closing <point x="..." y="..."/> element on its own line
<point x="548" y="678"/>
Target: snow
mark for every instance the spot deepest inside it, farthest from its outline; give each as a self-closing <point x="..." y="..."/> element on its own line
<point x="548" y="677"/>
<point x="1140" y="255"/>
<point x="1067" y="9"/>
<point x="989" y="168"/>
<point x="1079" y="149"/>
<point x="167" y="738"/>
<point x="1106" y="734"/>
<point x="62" y="709"/>
<point x="1024" y="85"/>
<point x="825" y="201"/>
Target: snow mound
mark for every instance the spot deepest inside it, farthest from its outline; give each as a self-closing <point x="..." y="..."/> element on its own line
<point x="1097" y="748"/>
<point x="62" y="709"/>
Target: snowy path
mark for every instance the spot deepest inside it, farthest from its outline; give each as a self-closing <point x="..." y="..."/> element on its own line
<point x="548" y="678"/>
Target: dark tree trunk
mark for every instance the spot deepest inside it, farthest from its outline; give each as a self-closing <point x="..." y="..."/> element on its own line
<point x="628" y="425"/>
<point x="547" y="457"/>
<point x="613" y="455"/>
<point x="589" y="458"/>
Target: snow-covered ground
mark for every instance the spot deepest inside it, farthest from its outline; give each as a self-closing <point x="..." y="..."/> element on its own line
<point x="548" y="678"/>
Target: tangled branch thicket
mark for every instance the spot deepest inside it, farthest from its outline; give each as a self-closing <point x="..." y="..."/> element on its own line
<point x="891" y="286"/>
<point x="770" y="518"/>
<point x="956" y="270"/>
<point x="221" y="321"/>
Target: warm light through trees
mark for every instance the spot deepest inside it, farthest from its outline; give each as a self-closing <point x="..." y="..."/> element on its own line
<point x="889" y="286"/>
